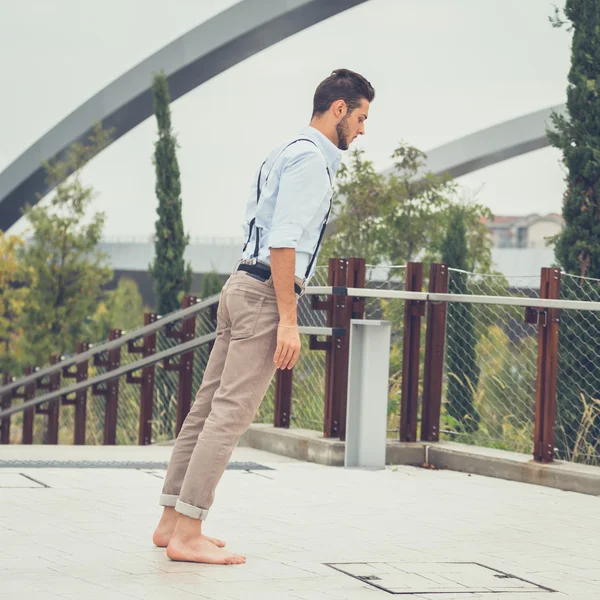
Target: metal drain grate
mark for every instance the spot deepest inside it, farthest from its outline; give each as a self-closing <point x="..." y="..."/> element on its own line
<point x="437" y="578"/>
<point x="112" y="464"/>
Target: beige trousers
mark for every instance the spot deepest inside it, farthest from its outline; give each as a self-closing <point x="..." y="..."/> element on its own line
<point x="235" y="381"/>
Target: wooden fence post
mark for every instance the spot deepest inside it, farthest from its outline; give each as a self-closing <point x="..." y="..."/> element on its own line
<point x="186" y="365"/>
<point x="5" y="402"/>
<point x="52" y="409"/>
<point x="413" y="311"/>
<point x="547" y="367"/>
<point x="146" y="381"/>
<point x="110" y="391"/>
<point x="28" y="393"/>
<point x="336" y="277"/>
<point x="435" y="341"/>
<point x="80" y="402"/>
<point x="343" y="272"/>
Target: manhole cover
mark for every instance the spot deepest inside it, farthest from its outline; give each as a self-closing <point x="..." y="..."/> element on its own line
<point x="436" y="578"/>
<point x="111" y="464"/>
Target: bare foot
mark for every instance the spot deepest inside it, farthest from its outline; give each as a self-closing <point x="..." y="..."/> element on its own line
<point x="200" y="550"/>
<point x="161" y="538"/>
<point x="166" y="527"/>
<point x="216" y="541"/>
<point x="189" y="545"/>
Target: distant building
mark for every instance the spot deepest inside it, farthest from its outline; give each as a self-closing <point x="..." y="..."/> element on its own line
<point x="531" y="231"/>
<point x="131" y="258"/>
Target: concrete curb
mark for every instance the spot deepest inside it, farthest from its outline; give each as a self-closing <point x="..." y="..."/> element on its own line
<point x="311" y="446"/>
<point x="301" y="444"/>
<point x="562" y="475"/>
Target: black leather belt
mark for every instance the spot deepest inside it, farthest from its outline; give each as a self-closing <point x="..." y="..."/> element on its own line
<point x="262" y="273"/>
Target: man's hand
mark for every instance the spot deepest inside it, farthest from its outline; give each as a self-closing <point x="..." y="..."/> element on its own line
<point x="283" y="262"/>
<point x="288" y="347"/>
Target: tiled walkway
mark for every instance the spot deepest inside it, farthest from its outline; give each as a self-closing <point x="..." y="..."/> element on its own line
<point x="88" y="534"/>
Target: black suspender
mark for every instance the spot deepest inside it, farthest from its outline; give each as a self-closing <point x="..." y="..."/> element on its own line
<point x="254" y="218"/>
<point x="253" y="221"/>
<point x="323" y="228"/>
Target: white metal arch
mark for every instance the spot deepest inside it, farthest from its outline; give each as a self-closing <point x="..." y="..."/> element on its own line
<point x="207" y="50"/>
<point x="493" y="144"/>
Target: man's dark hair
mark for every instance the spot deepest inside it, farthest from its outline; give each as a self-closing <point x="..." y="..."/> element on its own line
<point x="345" y="85"/>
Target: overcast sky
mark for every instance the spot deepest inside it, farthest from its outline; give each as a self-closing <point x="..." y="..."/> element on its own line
<point x="441" y="69"/>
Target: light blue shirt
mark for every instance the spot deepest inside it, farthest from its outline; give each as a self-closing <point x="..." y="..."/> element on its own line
<point x="295" y="196"/>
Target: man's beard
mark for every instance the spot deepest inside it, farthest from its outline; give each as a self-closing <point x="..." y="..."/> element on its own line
<point x="342" y="132"/>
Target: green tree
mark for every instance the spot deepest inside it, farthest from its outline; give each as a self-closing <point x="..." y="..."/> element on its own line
<point x="577" y="249"/>
<point x="414" y="214"/>
<point x="358" y="203"/>
<point x="61" y="250"/>
<point x="389" y="219"/>
<point x="122" y="308"/>
<point x="211" y="285"/>
<point x="172" y="278"/>
<point x="15" y="281"/>
<point x="403" y="217"/>
<point x="475" y="216"/>
<point x="461" y="341"/>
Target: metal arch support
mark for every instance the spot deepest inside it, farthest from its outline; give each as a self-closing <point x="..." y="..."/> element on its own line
<point x="488" y="146"/>
<point x="492" y="145"/>
<point x="202" y="53"/>
<point x="211" y="48"/>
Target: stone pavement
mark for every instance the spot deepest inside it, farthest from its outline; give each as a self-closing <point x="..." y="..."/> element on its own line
<point x="309" y="532"/>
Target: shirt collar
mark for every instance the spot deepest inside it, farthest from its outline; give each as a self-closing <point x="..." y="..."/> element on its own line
<point x="332" y="153"/>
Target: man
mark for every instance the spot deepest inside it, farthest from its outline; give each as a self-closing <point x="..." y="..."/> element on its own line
<point x="257" y="329"/>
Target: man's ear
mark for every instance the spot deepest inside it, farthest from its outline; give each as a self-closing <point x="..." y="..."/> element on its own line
<point x="340" y="109"/>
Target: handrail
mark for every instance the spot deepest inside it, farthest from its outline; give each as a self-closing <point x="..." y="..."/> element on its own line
<point x="139" y="364"/>
<point x="108" y="375"/>
<point x="516" y="301"/>
<point x="312" y="290"/>
<point x="132" y="335"/>
<point x="465" y="298"/>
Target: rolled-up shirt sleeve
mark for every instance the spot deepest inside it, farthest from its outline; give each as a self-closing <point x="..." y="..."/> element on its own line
<point x="303" y="187"/>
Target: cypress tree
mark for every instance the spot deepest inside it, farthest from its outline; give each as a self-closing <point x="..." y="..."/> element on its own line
<point x="577" y="250"/>
<point x="171" y="277"/>
<point x="461" y="361"/>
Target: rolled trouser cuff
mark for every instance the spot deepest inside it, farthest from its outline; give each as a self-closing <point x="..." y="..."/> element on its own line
<point x="191" y="511"/>
<point x="168" y="499"/>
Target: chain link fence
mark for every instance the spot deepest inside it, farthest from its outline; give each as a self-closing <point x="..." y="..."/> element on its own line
<point x="308" y="383"/>
<point x="166" y="389"/>
<point x="96" y="406"/>
<point x="66" y="420"/>
<point x="308" y="387"/>
<point x="490" y="370"/>
<point x="94" y="416"/>
<point x="577" y="432"/>
<point x="166" y="383"/>
<point x="490" y="364"/>
<point x="166" y="386"/>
